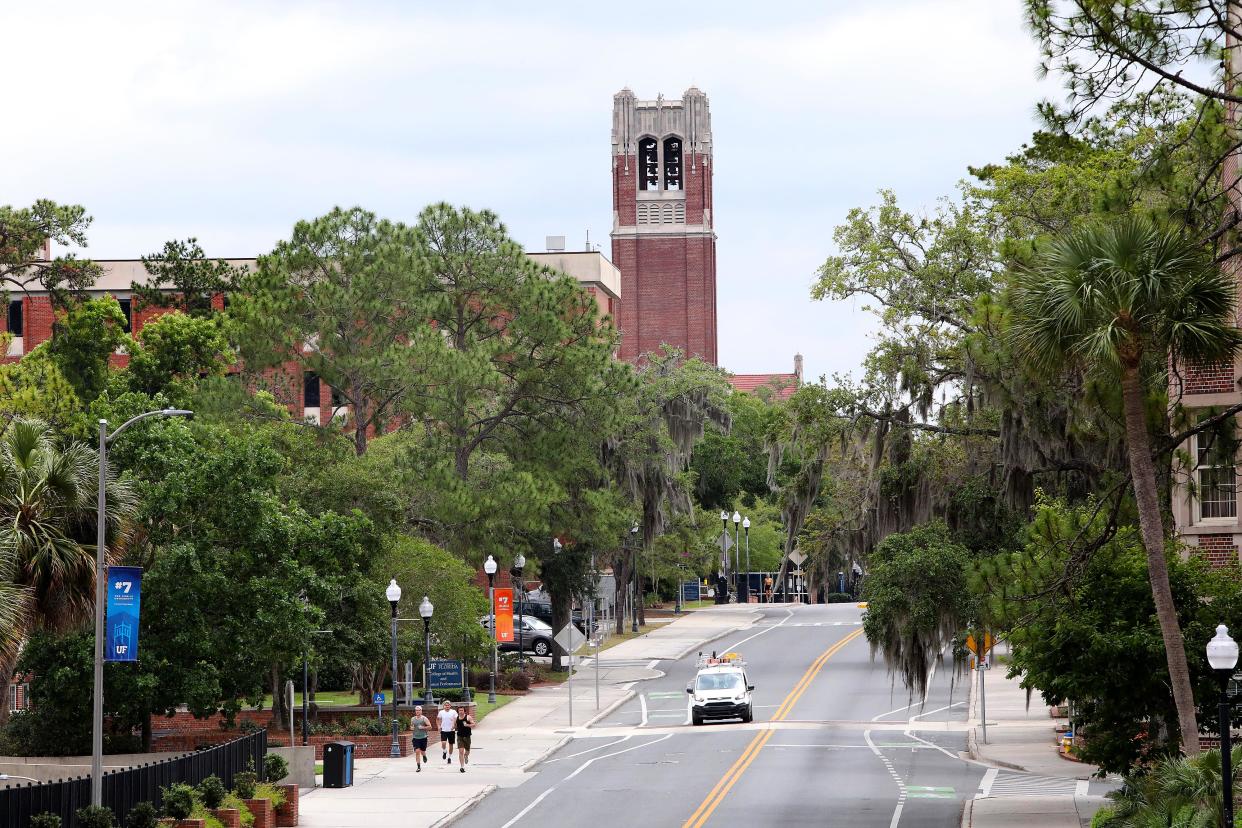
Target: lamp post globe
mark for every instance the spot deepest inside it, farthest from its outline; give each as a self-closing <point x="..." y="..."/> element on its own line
<point x="1222" y="654"/>
<point x="490" y="567"/>
<point x="425" y="609"/>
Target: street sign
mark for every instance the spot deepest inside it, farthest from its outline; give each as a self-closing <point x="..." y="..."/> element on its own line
<point x="973" y="645"/>
<point x="502" y="612"/>
<point x="378" y="699"/>
<point x="725" y="543"/>
<point x="690" y="591"/>
<point x="797" y="556"/>
<point x="569" y="638"/>
<point x="446" y="674"/>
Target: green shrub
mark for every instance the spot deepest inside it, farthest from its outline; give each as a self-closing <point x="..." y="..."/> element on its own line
<point x="248" y="726"/>
<point x="95" y="816"/>
<point x="234" y="801"/>
<point x="243" y="784"/>
<point x="45" y="821"/>
<point x="275" y="768"/>
<point x="356" y="727"/>
<point x="179" y="800"/>
<point x="142" y="815"/>
<point x="268" y="791"/>
<point x="327" y="728"/>
<point x="839" y="598"/>
<point x="209" y="819"/>
<point x="212" y="791"/>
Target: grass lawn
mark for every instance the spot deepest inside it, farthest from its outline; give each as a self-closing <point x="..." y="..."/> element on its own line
<point x="482" y="707"/>
<point x="319" y="769"/>
<point x="324" y="698"/>
<point x="615" y="639"/>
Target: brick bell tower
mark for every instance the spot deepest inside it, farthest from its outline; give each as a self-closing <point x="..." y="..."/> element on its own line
<point x="663" y="239"/>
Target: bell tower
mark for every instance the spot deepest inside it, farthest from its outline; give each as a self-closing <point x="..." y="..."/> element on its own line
<point x="663" y="239"/>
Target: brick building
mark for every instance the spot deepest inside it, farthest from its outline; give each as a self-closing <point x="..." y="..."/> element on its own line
<point x="774" y="387"/>
<point x="29" y="318"/>
<point x="663" y="239"/>
<point x="1205" y="514"/>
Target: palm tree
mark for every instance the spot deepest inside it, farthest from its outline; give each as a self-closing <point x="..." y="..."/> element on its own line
<point x="1120" y="299"/>
<point x="47" y="530"/>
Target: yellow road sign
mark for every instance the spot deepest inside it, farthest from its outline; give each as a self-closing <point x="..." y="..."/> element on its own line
<point x="973" y="645"/>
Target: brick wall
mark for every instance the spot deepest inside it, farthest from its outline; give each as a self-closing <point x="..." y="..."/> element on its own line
<point x="1219" y="550"/>
<point x="1208" y="378"/>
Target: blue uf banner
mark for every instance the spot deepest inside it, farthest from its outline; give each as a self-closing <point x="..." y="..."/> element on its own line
<point x="124" y="604"/>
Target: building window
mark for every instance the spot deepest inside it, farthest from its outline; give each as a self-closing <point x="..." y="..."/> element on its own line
<point x="16" y="320"/>
<point x="1216" y="481"/>
<point x="310" y="390"/>
<point x="648" y="164"/>
<point x="127" y="309"/>
<point x="338" y="399"/>
<point x="672" y="163"/>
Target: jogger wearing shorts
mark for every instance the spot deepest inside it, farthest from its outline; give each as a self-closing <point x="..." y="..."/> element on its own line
<point x="465" y="726"/>
<point x="448" y="726"/>
<point x="420" y="724"/>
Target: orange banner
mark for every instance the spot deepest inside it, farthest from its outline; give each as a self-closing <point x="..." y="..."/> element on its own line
<point x="503" y="613"/>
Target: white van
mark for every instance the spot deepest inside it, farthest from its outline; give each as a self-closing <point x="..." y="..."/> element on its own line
<point x="721" y="689"/>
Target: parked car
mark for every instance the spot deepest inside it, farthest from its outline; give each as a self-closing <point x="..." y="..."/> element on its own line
<point x="529" y="634"/>
<point x="543" y="611"/>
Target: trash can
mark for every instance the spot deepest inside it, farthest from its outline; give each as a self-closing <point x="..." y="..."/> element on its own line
<point x="338" y="764"/>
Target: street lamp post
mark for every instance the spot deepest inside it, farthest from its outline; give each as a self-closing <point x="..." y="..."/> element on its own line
<point x="425" y="609"/>
<point x="519" y="563"/>
<point x="393" y="593"/>
<point x="724" y="545"/>
<point x="1222" y="654"/>
<point x="105" y="440"/>
<point x="746" y="582"/>
<point x="736" y="594"/>
<point x="489" y="566"/>
<point x="636" y="594"/>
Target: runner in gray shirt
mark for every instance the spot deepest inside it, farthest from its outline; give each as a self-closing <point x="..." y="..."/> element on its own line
<point x="420" y="724"/>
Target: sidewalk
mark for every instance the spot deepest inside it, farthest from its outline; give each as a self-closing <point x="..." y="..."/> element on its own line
<point x="510" y="740"/>
<point x="1022" y="739"/>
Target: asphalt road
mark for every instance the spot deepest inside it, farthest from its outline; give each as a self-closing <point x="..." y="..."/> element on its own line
<point x="834" y="742"/>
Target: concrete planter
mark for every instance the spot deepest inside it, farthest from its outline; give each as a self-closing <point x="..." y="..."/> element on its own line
<point x="264" y="816"/>
<point x="229" y="817"/>
<point x="287" y="814"/>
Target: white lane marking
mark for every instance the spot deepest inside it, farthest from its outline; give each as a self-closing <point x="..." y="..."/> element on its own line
<point x="732" y="647"/>
<point x="689" y="709"/>
<point x="937" y="710"/>
<point x="901" y="786"/>
<point x="985" y="784"/>
<point x="589" y="750"/>
<point x="891" y="712"/>
<point x="651" y="664"/>
<point x="642" y="701"/>
<point x="931" y="745"/>
<point x="580" y="769"/>
<point x="1081" y="789"/>
<point x="911" y="746"/>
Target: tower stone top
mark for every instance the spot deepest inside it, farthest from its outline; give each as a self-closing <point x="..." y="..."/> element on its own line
<point x="688" y="118"/>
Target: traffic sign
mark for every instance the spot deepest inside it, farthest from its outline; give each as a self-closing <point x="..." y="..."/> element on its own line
<point x="378" y="699"/>
<point x="797" y="556"/>
<point x="725" y="543"/>
<point x="973" y="645"/>
<point x="569" y="638"/>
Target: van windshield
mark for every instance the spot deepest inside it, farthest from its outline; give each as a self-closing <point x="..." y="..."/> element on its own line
<point x="718" y="681"/>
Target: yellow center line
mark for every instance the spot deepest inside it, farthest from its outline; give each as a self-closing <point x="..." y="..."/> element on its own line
<point x="735" y="771"/>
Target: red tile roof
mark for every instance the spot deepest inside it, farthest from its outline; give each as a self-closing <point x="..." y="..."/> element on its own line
<point x="782" y="386"/>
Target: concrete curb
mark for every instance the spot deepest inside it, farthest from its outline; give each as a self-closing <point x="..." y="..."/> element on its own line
<point x="560" y="743"/>
<point x="629" y="694"/>
<point x="972" y="750"/>
<point x="968" y="807"/>
<point x="464" y="808"/>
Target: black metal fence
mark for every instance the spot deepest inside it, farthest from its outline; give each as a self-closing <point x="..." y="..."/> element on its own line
<point x="123" y="789"/>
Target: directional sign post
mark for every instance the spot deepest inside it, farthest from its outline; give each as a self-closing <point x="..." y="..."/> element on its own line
<point x="378" y="700"/>
<point x="570" y="640"/>
<point x="982" y="647"/>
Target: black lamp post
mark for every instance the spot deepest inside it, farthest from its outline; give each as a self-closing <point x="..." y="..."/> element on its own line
<point x="1222" y="654"/>
<point x="519" y="563"/>
<point x="425" y="609"/>
<point x="393" y="594"/>
<point x="746" y="579"/>
<point x="724" y="548"/>
<point x="636" y="591"/>
<point x="489" y="566"/>
<point x="737" y="520"/>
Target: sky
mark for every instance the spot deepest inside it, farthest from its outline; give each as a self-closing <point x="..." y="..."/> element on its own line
<point x="230" y="121"/>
